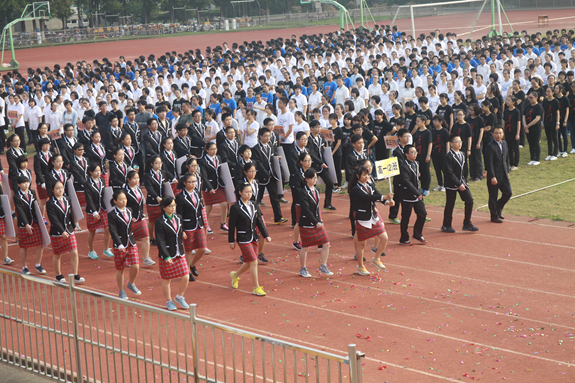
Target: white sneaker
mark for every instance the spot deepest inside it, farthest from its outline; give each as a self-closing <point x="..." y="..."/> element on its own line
<point x="208" y="251"/>
<point x="515" y="167"/>
<point x="345" y="184"/>
<point x="548" y="158"/>
<point x="553" y="158"/>
<point x="148" y="262"/>
<point x="572" y="151"/>
<point x="442" y="189"/>
<point x="530" y="163"/>
<point x="8" y="261"/>
<point x="564" y="154"/>
<point x="535" y="163"/>
<point x="437" y="188"/>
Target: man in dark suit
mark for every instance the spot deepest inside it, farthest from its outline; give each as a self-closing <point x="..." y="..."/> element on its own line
<point x="404" y="137"/>
<point x="412" y="199"/>
<point x="497" y="166"/>
<point x="228" y="151"/>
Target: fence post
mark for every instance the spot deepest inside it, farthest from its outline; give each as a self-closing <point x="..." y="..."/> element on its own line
<point x="196" y="362"/>
<point x="79" y="377"/>
<point x="352" y="363"/>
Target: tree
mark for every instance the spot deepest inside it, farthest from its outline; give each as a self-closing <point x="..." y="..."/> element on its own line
<point x="62" y="9"/>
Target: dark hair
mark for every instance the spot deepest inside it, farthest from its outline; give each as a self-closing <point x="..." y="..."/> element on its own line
<point x="131" y="174"/>
<point x="117" y="193"/>
<point x="302" y="157"/>
<point x="240" y="187"/>
<point x="153" y="159"/>
<point x="310" y="173"/>
<point x="22" y="179"/>
<point x="355" y="179"/>
<point x="356" y="137"/>
<point x="209" y="145"/>
<point x="20" y="160"/>
<point x="248" y="166"/>
<point x="77" y="146"/>
<point x="184" y="179"/>
<point x="242" y="149"/>
<point x="52" y="187"/>
<point x="453" y="136"/>
<point x="407" y="147"/>
<point x="92" y="167"/>
<point x="167" y="201"/>
<point x="401" y="132"/>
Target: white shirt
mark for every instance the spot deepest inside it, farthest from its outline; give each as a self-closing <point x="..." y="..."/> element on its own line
<point x="34" y="116"/>
<point x="286" y="119"/>
<point x="251" y="140"/>
<point x="341" y="95"/>
<point x="17" y="122"/>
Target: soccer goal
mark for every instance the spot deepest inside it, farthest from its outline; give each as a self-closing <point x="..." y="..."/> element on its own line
<point x="462" y="17"/>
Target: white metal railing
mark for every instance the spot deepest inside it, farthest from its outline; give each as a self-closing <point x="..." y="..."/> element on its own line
<point x="74" y="334"/>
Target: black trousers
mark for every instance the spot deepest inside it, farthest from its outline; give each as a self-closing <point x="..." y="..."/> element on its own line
<point x="425" y="178"/>
<point x="438" y="160"/>
<point x="522" y="137"/>
<point x="497" y="205"/>
<point x="337" y="163"/>
<point x="552" y="140"/>
<point x="406" y="208"/>
<point x="513" y="146"/>
<point x="288" y="148"/>
<point x="476" y="163"/>
<point x="274" y="198"/>
<point x="326" y="177"/>
<point x="533" y="137"/>
<point x="450" y="197"/>
<point x="394" y="210"/>
<point x="2" y="139"/>
<point x="20" y="132"/>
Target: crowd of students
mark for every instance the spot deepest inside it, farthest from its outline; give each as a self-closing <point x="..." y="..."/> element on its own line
<point x="464" y="106"/>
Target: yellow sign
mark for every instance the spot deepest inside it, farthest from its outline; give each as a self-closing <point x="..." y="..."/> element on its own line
<point x="387" y="168"/>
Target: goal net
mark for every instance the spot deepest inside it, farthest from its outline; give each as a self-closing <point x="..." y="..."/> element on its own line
<point x="448" y="16"/>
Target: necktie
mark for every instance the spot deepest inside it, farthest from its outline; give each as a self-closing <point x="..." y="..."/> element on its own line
<point x="47" y="158"/>
<point x="138" y="196"/>
<point x="193" y="199"/>
<point x="215" y="162"/>
<point x="82" y="162"/>
<point x="174" y="223"/>
<point x="171" y="156"/>
<point x="123" y="169"/>
<point x="99" y="151"/>
<point x="61" y="176"/>
<point x="125" y="217"/>
<point x="62" y="204"/>
<point x="158" y="177"/>
<point x="27" y="197"/>
<point x="315" y="197"/>
<point x="129" y="152"/>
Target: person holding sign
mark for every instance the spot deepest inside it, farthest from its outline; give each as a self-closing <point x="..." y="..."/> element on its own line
<point x="125" y="250"/>
<point x="29" y="235"/>
<point x="311" y="228"/>
<point x="412" y="199"/>
<point x="404" y="138"/>
<point x="96" y="216"/>
<point x="453" y="167"/>
<point x="170" y="236"/>
<point x="13" y="153"/>
<point x="368" y="222"/>
<point x="16" y="117"/>
<point x="59" y="211"/>
<point x="315" y="145"/>
<point x="228" y="152"/>
<point x="245" y="218"/>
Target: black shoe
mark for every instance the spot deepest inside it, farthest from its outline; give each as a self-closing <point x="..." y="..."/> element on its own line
<point x="421" y="240"/>
<point x="447" y="229"/>
<point x="501" y="216"/>
<point x="153" y="242"/>
<point x="13" y="215"/>
<point x="469" y="227"/>
<point x="192" y="278"/>
<point x="194" y="271"/>
<point x="329" y="207"/>
<point x="406" y="243"/>
<point x="496" y="220"/>
<point x="263" y="258"/>
<point x="241" y="258"/>
<point x="320" y="247"/>
<point x="355" y="257"/>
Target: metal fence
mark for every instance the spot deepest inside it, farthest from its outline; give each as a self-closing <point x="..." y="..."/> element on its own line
<point x="73" y="334"/>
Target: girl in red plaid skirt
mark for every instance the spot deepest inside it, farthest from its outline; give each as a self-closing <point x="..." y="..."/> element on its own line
<point x="245" y="218"/>
<point x="96" y="215"/>
<point x="59" y="211"/>
<point x="250" y="171"/>
<point x="368" y="223"/>
<point x="192" y="167"/>
<point x="41" y="169"/>
<point x="213" y="189"/>
<point x="173" y="265"/>
<point x="154" y="181"/>
<point x="311" y="227"/>
<point x="296" y="183"/>
<point x="139" y="224"/>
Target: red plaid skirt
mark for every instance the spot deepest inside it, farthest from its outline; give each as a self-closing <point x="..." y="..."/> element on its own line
<point x="175" y="189"/>
<point x="154" y="212"/>
<point x="196" y="240"/>
<point x="81" y="198"/>
<point x="127" y="258"/>
<point x="249" y="251"/>
<point x="258" y="229"/>
<point x="313" y="237"/>
<point x="205" y="217"/>
<point x="178" y="268"/>
<point x="2" y="227"/>
<point x="218" y="197"/>
<point x="94" y="225"/>
<point x="363" y="233"/>
<point x="27" y="241"/>
<point x="140" y="229"/>
<point x="63" y="246"/>
<point x="106" y="179"/>
<point x="42" y="192"/>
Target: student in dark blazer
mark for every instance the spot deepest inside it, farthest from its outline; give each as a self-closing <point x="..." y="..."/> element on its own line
<point x="296" y="182"/>
<point x="213" y="185"/>
<point x="14" y="151"/>
<point x="170" y="234"/>
<point x="97" y="153"/>
<point x="169" y="158"/>
<point x="125" y="250"/>
<point x="21" y="171"/>
<point x="127" y="146"/>
<point x="404" y="137"/>
<point x="96" y="215"/>
<point x="41" y="168"/>
<point x="311" y="227"/>
<point x="154" y="181"/>
<point x="263" y="154"/>
<point x="140" y="226"/>
<point x="412" y="199"/>
<point x="245" y="218"/>
<point x="228" y="152"/>
<point x="186" y="145"/>
<point x="62" y="236"/>
<point x="189" y="207"/>
<point x="57" y="172"/>
<point x="133" y="129"/>
<point x="299" y="147"/>
<point x="111" y="138"/>
<point x="497" y="167"/>
<point x="85" y="135"/>
<point x="453" y="169"/>
<point x="315" y="146"/>
<point x="79" y="169"/>
<point x="118" y="169"/>
<point x="152" y="140"/>
<point x="29" y="235"/>
<point x="66" y="144"/>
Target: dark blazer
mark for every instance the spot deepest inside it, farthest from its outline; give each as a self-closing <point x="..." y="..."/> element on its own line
<point x="94" y="193"/>
<point x="52" y="177"/>
<point x="296" y="181"/>
<point x="245" y="223"/>
<point x="134" y="131"/>
<point x="170" y="241"/>
<point x="315" y="148"/>
<point x="497" y="161"/>
<point x="228" y="152"/>
<point x="210" y="173"/>
<point x="351" y="162"/>
<point x="153" y="145"/>
<point x="97" y="155"/>
<point x="400" y="155"/>
<point x="118" y="174"/>
<point x="410" y="182"/>
<point x="136" y="207"/>
<point x="264" y="158"/>
<point x="25" y="208"/>
<point x="183" y="146"/>
<point x="293" y="157"/>
<point x="60" y="219"/>
<point x="26" y="173"/>
<point x="120" y="229"/>
<point x="129" y="155"/>
<point x="80" y="172"/>
<point x="11" y="155"/>
<point x="310" y="210"/>
<point x="169" y="165"/>
<point x="154" y="187"/>
<point x="65" y="147"/>
<point x="111" y="139"/>
<point x="197" y="134"/>
<point x="190" y="213"/>
<point x="364" y="199"/>
<point x="85" y="137"/>
<point x="165" y="128"/>
<point x="41" y="167"/>
<point x="453" y="170"/>
<point x="261" y="175"/>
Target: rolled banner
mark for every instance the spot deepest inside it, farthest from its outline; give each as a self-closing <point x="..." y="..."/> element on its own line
<point x="228" y="181"/>
<point x="283" y="165"/>
<point x="168" y="192"/>
<point x="179" y="162"/>
<point x="43" y="230"/>
<point x="328" y="158"/>
<point x="8" y="221"/>
<point x="76" y="208"/>
<point x="108" y="194"/>
<point x="6" y="184"/>
<point x="276" y="167"/>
